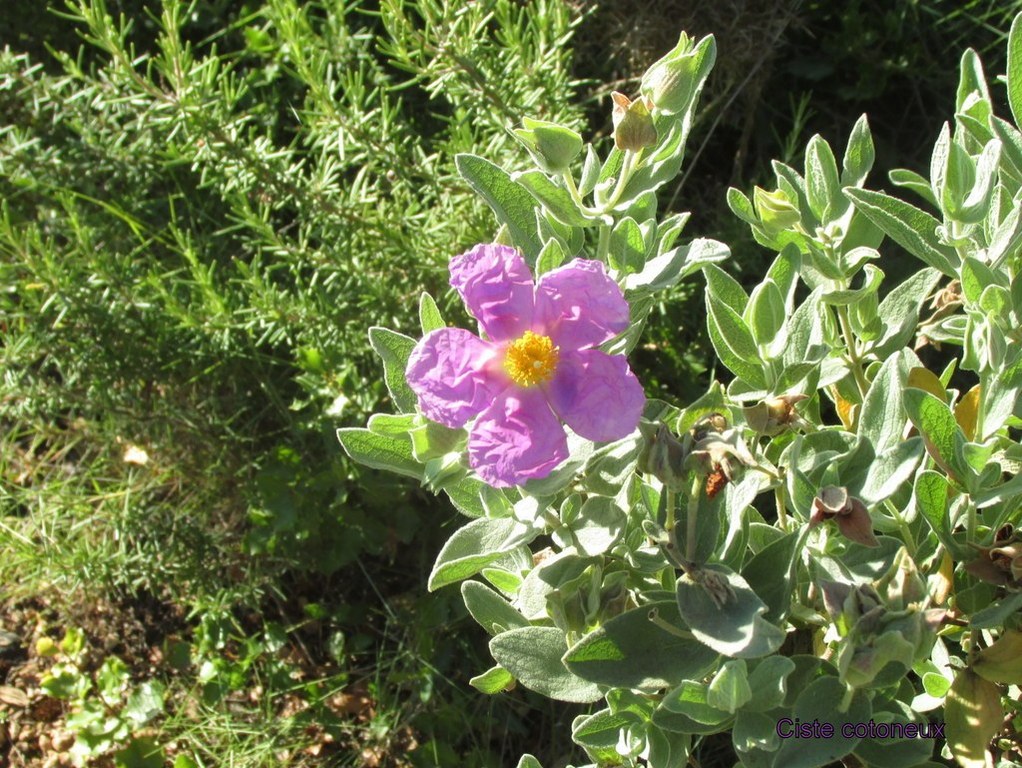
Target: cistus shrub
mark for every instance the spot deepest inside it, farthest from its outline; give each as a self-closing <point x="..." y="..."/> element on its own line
<point x="821" y="558"/>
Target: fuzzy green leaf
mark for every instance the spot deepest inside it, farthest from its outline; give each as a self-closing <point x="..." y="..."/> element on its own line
<point x="627" y="249"/>
<point x="393" y="454"/>
<point x="494" y="680"/>
<point x="765" y="312"/>
<point x="888" y="472"/>
<point x="859" y="155"/>
<point x="600" y="525"/>
<point x="912" y="180"/>
<point x="931" y="497"/>
<point x="724" y="288"/>
<point x="533" y="656"/>
<point x="823" y="187"/>
<point x="1015" y="69"/>
<point x="768" y="682"/>
<point x="912" y="229"/>
<point x="510" y="201"/>
<point x="630" y="651"/>
<point x="556" y="200"/>
<point x="770" y="570"/>
<point x="882" y="418"/>
<point x="734" y="627"/>
<point x="973" y="714"/>
<point x="821" y="701"/>
<point x="394" y="349"/>
<point x="600" y="732"/>
<point x="492" y="611"/>
<point x="430" y="318"/>
<point x="474" y="546"/>
<point x="899" y="311"/>
<point x="941" y="434"/>
<point x="734" y="343"/>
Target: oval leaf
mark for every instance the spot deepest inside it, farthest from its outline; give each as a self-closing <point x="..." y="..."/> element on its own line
<point x="973" y="714"/>
<point x="630" y="651"/>
<point x="734" y="627"/>
<point x="533" y="656"/>
<point x="474" y="546"/>
<point x="819" y="702"/>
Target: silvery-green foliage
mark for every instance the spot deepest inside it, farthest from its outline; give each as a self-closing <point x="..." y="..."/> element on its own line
<point x="829" y="537"/>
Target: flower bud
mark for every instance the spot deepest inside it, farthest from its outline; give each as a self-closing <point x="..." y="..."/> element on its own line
<point x="865" y="317"/>
<point x="662" y="456"/>
<point x="673" y="82"/>
<point x="775" y="209"/>
<point x="901" y="585"/>
<point x="633" y="124"/>
<point x="552" y="146"/>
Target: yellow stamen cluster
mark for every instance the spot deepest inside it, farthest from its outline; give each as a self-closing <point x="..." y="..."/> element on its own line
<point x="531" y="360"/>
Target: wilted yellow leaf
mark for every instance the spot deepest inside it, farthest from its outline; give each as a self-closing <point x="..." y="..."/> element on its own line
<point x="965" y="412"/>
<point x="942" y="582"/>
<point x="1002" y="661"/>
<point x="973" y="715"/>
<point x="925" y="379"/>
<point x="847" y="411"/>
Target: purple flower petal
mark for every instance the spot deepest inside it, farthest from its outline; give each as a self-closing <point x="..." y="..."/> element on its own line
<point x="597" y="395"/>
<point x="451" y="372"/>
<point x="517" y="438"/>
<point x="579" y="306"/>
<point x="496" y="285"/>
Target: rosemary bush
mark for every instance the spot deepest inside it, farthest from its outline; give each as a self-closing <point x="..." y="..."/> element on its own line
<point x="197" y="220"/>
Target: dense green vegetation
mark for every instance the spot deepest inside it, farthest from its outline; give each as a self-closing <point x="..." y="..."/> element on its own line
<point x="203" y="207"/>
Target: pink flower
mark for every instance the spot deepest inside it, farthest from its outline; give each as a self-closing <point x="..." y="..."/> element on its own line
<point x="534" y="367"/>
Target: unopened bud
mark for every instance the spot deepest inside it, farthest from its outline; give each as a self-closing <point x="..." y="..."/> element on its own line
<point x="552" y="146"/>
<point x="775" y="209"/>
<point x="662" y="456"/>
<point x="633" y="124"/>
<point x="673" y="82"/>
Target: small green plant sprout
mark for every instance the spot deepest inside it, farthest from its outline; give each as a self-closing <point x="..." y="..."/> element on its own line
<point x="820" y="557"/>
<point x="106" y="712"/>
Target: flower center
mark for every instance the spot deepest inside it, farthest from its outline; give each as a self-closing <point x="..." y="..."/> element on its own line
<point x="530" y="360"/>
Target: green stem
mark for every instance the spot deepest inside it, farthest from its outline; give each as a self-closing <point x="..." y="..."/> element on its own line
<point x="690" y="520"/>
<point x="956" y="234"/>
<point x="627" y="168"/>
<point x="906" y="532"/>
<point x="846" y="700"/>
<point x="779" y="500"/>
<point x="603" y="244"/>
<point x="970" y="522"/>
<point x="569" y="183"/>
<point x="552" y="521"/>
<point x="669" y="525"/>
<point x="854" y="361"/>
